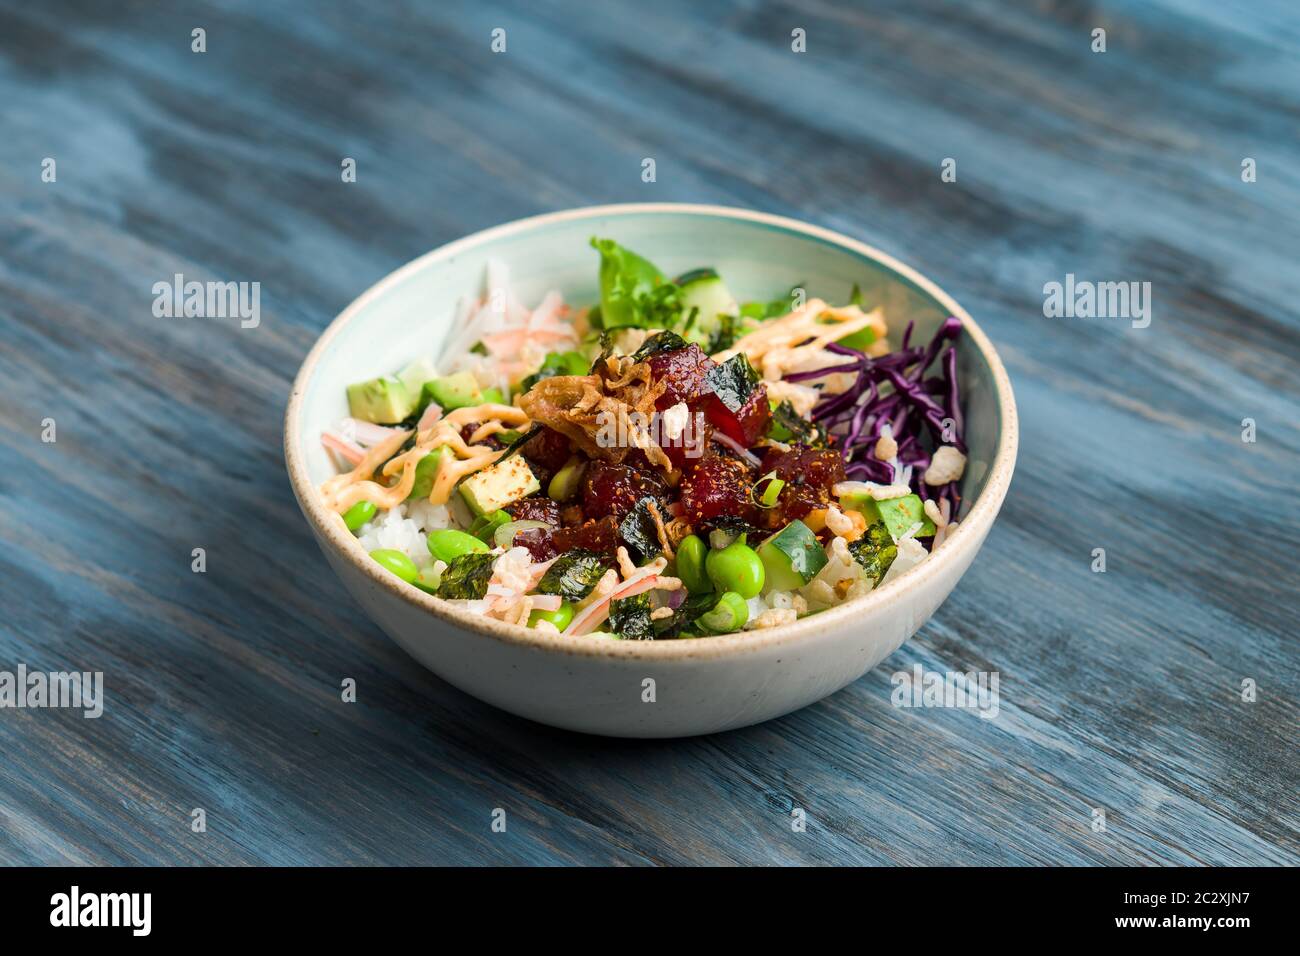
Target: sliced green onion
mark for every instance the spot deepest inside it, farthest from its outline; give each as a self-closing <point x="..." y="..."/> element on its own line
<point x="504" y="536"/>
<point x="771" y="492"/>
<point x="567" y="482"/>
<point x="772" y="488"/>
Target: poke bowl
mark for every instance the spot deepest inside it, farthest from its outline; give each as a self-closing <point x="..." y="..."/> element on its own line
<point x="651" y="470"/>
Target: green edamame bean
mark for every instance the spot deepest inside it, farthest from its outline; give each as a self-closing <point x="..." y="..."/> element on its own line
<point x="729" y="614"/>
<point x="397" y="562"/>
<point x="359" y="514"/>
<point x="448" y="544"/>
<point x="428" y="580"/>
<point x="737" y="567"/>
<point x="691" y="555"/>
<point x="485" y="526"/>
<point x="560" y="618"/>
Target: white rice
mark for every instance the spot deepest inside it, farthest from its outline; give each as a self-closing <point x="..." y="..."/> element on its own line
<point x="910" y="553"/>
<point x="781" y="600"/>
<point x="393" y="529"/>
<point x="428" y="517"/>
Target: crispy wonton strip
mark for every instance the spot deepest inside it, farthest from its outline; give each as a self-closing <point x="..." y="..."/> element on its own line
<point x="801" y="334"/>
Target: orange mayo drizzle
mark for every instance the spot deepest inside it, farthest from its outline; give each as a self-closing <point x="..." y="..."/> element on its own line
<point x="343" y="491"/>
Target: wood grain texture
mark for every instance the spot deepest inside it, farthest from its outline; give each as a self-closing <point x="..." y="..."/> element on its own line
<point x="1119" y="691"/>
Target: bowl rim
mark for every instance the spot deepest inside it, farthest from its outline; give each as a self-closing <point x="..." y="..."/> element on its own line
<point x="969" y="534"/>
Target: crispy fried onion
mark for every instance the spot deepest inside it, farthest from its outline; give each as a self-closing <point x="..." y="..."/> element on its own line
<point x="605" y="414"/>
<point x="459" y="459"/>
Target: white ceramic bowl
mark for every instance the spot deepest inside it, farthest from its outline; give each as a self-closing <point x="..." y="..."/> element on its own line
<point x="598" y="685"/>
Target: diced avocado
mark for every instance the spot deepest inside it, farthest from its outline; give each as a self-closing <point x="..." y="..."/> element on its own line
<point x="704" y="290"/>
<point x="383" y="400"/>
<point x="416" y="374"/>
<point x="454" y="391"/>
<point x="791" y="557"/>
<point x="425" y="473"/>
<point x="897" y="514"/>
<point x="493" y="396"/>
<point x="499" y="485"/>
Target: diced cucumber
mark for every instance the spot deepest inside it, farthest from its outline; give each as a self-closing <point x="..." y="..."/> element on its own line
<point x="499" y="485"/>
<point x="454" y="391"/>
<point x="383" y="400"/>
<point x="703" y="289"/>
<point x="792" y="557"/>
<point x="897" y="514"/>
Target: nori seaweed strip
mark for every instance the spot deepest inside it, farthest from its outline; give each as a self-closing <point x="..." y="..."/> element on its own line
<point x="629" y="618"/>
<point x="874" y="551"/>
<point x="574" y="574"/>
<point x="639" y="532"/>
<point x="467" y="577"/>
<point x="733" y="381"/>
<point x="659" y="342"/>
<point x="684" y="618"/>
<point x="522" y="440"/>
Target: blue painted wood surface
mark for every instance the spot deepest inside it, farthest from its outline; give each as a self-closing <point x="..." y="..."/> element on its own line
<point x="1120" y="691"/>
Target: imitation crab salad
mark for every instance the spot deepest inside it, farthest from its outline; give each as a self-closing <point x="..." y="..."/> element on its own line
<point x="667" y="463"/>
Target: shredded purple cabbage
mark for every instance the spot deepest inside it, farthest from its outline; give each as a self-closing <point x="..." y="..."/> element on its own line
<point x="893" y="390"/>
